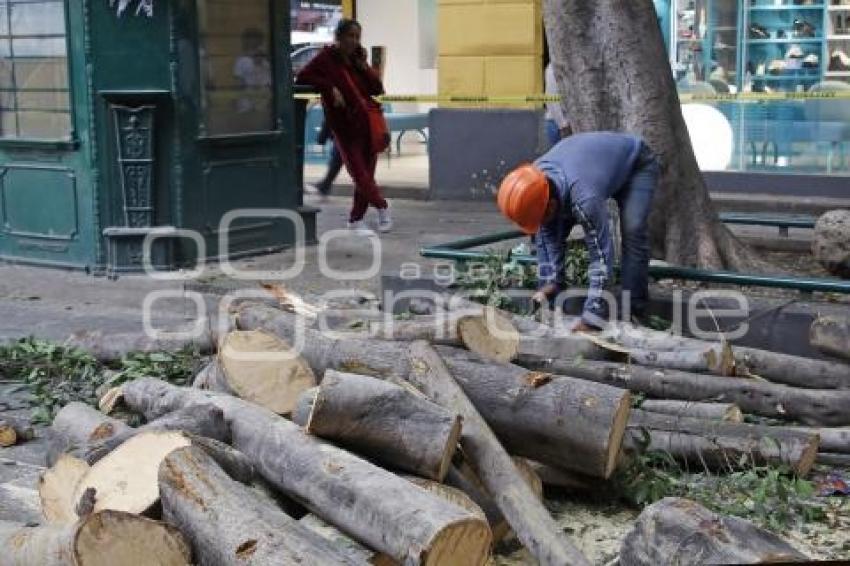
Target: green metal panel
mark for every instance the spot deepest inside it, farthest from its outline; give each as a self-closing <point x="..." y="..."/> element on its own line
<point x="138" y="155"/>
<point x="47" y="185"/>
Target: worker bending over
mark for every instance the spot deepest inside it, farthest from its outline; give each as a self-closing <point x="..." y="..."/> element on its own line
<point x="572" y="183"/>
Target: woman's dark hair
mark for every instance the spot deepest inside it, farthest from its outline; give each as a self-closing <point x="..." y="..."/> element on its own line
<point x="345" y="25"/>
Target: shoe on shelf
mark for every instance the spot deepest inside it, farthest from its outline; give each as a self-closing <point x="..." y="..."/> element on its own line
<point x="359" y="228"/>
<point x="839" y="61"/>
<point x="758" y="32"/>
<point x="794" y="52"/>
<point x="385" y="221"/>
<point x="777" y="67"/>
<point x="811" y="61"/>
<point x="802" y="28"/>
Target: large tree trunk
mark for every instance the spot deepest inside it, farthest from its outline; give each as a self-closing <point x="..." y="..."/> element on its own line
<point x="613" y="78"/>
<point x="227" y="523"/>
<point x="376" y="507"/>
<point x="385" y="423"/>
<point x="817" y="407"/>
<point x="99" y="539"/>
<point x="681" y="532"/>
<point x="718" y="445"/>
<point x="532" y="523"/>
<point x="57" y="486"/>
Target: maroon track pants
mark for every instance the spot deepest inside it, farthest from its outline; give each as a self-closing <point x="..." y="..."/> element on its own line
<point x="360" y="162"/>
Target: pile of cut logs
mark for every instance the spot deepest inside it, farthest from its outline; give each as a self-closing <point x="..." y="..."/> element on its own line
<point x="356" y="438"/>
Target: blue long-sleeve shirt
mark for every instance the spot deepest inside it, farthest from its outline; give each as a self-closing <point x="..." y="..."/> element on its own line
<point x="585" y="170"/>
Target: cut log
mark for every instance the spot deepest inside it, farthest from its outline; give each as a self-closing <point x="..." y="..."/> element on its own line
<point x="57" y="486"/>
<point x="564" y="422"/>
<point x="791" y="370"/>
<point x="227" y="523"/>
<point x="831" y="439"/>
<point x="682" y="532"/>
<point x="532" y="523"/>
<point x="199" y="420"/>
<point x="831" y="336"/>
<point x="561" y="421"/>
<point x="110" y="346"/>
<point x="378" y="508"/>
<point x="101" y="539"/>
<point x="385" y="423"/>
<point x="8" y="436"/>
<point x="263" y="369"/>
<point x="77" y="425"/>
<point x="836" y="460"/>
<point x="15" y="431"/>
<point x="126" y="479"/>
<point x="345" y="543"/>
<point x="815" y="407"/>
<point x="717" y="445"/>
<point x="712" y="411"/>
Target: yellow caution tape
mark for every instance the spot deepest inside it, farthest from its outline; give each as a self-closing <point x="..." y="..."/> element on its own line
<point x="542" y="98"/>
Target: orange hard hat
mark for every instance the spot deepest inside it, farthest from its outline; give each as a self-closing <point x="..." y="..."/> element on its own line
<point x="523" y="197"/>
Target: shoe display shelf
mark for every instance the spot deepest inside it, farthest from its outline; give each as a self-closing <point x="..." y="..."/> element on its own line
<point x="784" y="43"/>
<point x="837" y="53"/>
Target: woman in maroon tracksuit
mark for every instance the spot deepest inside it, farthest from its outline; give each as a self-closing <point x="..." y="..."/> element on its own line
<point x="347" y="84"/>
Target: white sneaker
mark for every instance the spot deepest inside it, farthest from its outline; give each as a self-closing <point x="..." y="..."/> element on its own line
<point x="311" y="189"/>
<point x="360" y="228"/>
<point x="385" y="221"/>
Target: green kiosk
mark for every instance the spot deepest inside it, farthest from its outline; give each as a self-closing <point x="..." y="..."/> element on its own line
<point x="146" y="125"/>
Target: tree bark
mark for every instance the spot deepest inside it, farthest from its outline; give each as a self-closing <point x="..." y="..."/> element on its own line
<point x="824" y="407"/>
<point x="526" y="514"/>
<point x="114" y="346"/>
<point x="711" y="411"/>
<point x="100" y="539"/>
<point x="344" y="543"/>
<point x="384" y="423"/>
<point x="77" y="425"/>
<point x="831" y="439"/>
<point x="228" y="524"/>
<point x="378" y="508"/>
<point x="612" y="78"/>
<point x="831" y="336"/>
<point x="538" y="417"/>
<point x="682" y="532"/>
<point x="792" y="370"/>
<point x="719" y="445"/>
<point x="551" y="476"/>
<point x="199" y="420"/>
<point x="561" y="421"/>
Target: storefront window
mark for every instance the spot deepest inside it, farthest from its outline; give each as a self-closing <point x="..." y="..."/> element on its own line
<point x="312" y="26"/>
<point x="236" y="66"/>
<point x="34" y="99"/>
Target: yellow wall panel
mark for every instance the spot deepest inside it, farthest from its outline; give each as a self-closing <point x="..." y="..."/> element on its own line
<point x="490" y="29"/>
<point x="461" y="75"/>
<point x="512" y="75"/>
<point x="490" y="47"/>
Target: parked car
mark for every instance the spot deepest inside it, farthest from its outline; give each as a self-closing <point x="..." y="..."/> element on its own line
<point x="301" y="56"/>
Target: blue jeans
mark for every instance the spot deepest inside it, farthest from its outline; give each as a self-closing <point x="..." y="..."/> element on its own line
<point x="635" y="203"/>
<point x="553" y="133"/>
